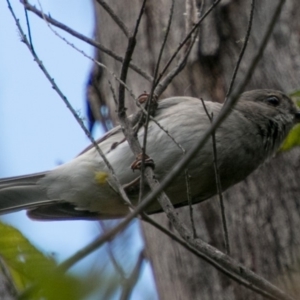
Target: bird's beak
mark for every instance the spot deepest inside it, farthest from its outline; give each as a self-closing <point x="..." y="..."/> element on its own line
<point x="297" y="117"/>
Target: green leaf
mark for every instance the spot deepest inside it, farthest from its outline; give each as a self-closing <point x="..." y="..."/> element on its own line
<point x="295" y="96"/>
<point x="36" y="273"/>
<point x="295" y="93"/>
<point x="292" y="140"/>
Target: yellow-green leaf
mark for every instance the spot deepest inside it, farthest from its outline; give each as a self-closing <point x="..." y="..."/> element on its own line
<point x="292" y="140"/>
<point x="36" y="273"/>
<point x="295" y="96"/>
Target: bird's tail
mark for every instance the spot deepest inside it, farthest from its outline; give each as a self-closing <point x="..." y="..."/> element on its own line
<point x="22" y="192"/>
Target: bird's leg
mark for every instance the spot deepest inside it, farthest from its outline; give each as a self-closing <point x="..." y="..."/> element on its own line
<point x="148" y="162"/>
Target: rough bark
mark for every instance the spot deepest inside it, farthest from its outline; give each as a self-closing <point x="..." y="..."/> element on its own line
<point x="263" y="211"/>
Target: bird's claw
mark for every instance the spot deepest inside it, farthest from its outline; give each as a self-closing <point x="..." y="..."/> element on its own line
<point x="144" y="97"/>
<point x="148" y="162"/>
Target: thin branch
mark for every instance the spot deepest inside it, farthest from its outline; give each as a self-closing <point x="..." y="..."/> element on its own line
<point x="219" y="189"/>
<point x="242" y="51"/>
<point x="147" y="120"/>
<point x="163" y="46"/>
<point x="127" y="59"/>
<point x="133" y="278"/>
<point x="113" y="93"/>
<point x="190" y="14"/>
<point x="150" y="99"/>
<point x="161" y="86"/>
<point x="125" y="124"/>
<point x="143" y="111"/>
<point x="258" y="56"/>
<point x="97" y="243"/>
<point x="190" y="202"/>
<point x="115" y="263"/>
<point x="28" y="29"/>
<point x="184" y="42"/>
<point x="218" y="182"/>
<point x="115" y="17"/>
<point x="86" y="39"/>
<point x="190" y="10"/>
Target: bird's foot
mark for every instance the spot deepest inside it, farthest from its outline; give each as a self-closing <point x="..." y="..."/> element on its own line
<point x="143" y="98"/>
<point x="148" y="162"/>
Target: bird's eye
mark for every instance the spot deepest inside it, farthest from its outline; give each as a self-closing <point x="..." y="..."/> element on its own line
<point x="273" y="100"/>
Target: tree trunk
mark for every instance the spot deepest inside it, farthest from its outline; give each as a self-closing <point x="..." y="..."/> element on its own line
<point x="263" y="212"/>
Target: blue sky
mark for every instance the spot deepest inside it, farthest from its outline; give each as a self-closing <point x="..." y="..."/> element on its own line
<point x="37" y="130"/>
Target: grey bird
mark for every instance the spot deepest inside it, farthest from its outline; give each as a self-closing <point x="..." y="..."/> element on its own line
<point x="84" y="188"/>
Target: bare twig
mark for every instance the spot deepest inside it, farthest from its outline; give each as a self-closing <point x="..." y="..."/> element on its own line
<point x="150" y="99"/>
<point x="231" y="100"/>
<point x="126" y="62"/>
<point x="190" y="201"/>
<point x="115" y="17"/>
<point x="218" y="182"/>
<point x="242" y="51"/>
<point x="191" y="15"/>
<point x="85" y="39"/>
<point x="160" y="87"/>
<point x="115" y="263"/>
<point x="113" y="93"/>
<point x="28" y="29"/>
<point x="219" y="188"/>
<point x="133" y="278"/>
<point x="162" y="47"/>
<point x="190" y="11"/>
<point x="125" y="124"/>
<point x="158" y="124"/>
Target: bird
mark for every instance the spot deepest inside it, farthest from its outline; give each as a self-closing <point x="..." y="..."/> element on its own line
<point x="84" y="188"/>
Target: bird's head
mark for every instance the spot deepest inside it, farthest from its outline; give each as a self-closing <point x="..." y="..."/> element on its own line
<point x="271" y="103"/>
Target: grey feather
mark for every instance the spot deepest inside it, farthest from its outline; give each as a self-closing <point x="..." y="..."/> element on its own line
<point x="251" y="134"/>
<point x="22" y="192"/>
